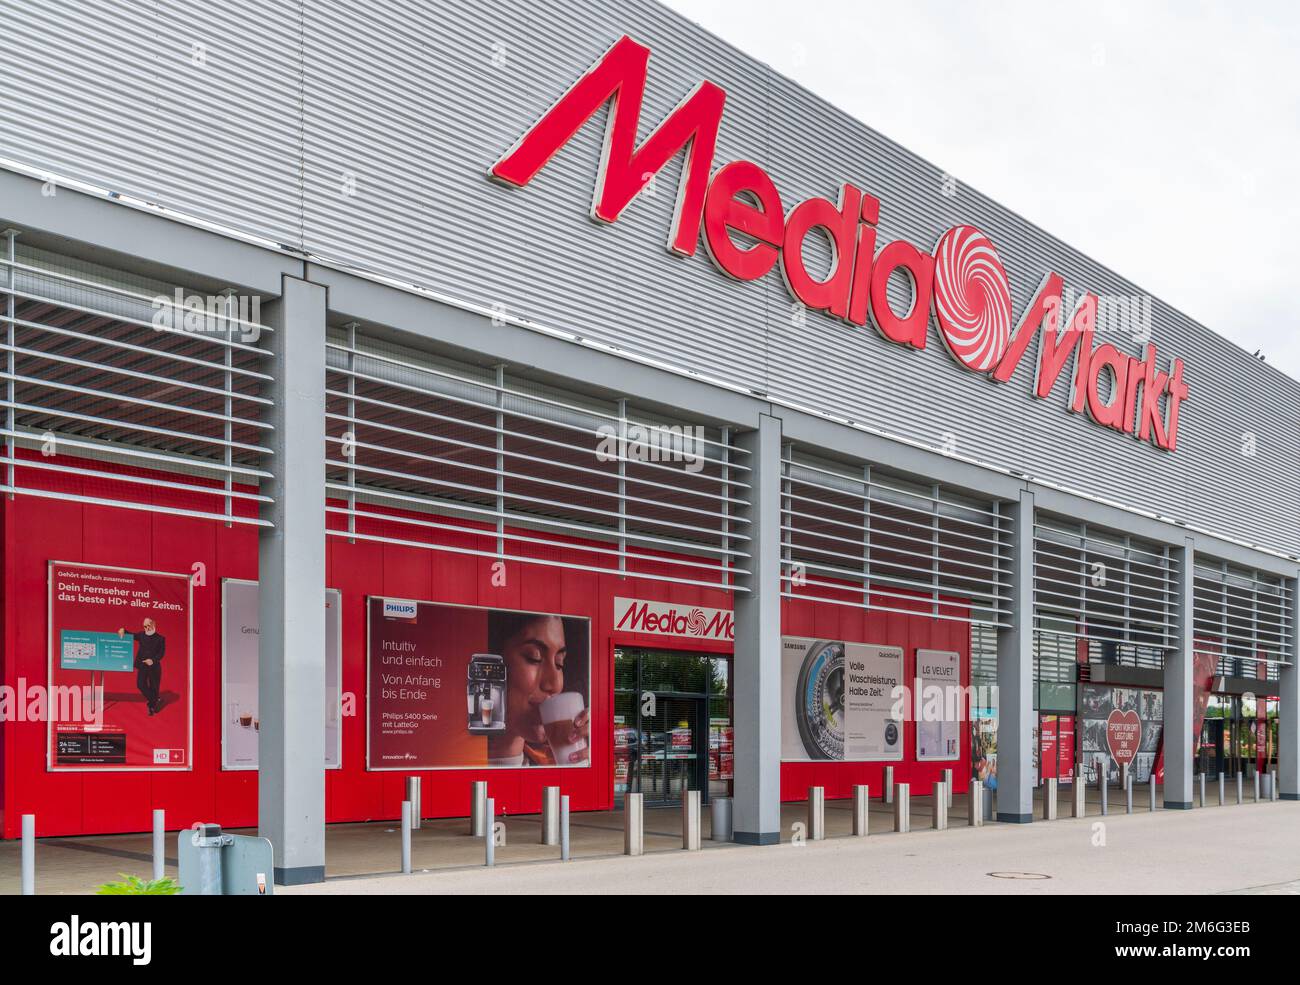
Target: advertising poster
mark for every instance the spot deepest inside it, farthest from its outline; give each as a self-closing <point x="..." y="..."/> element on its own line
<point x="119" y="669"/>
<point x="984" y="745"/>
<point x="840" y="701"/>
<point x="1123" y="725"/>
<point x="241" y="722"/>
<point x="455" y="687"/>
<point x="940" y="705"/>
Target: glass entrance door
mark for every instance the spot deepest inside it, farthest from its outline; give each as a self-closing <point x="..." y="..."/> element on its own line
<point x="672" y="724"/>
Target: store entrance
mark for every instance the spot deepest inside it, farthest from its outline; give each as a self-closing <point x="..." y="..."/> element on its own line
<point x="672" y="724"/>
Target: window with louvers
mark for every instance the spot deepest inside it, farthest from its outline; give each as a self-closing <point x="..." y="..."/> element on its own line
<point x="1242" y="618"/>
<point x="1113" y="593"/>
<point x="428" y="451"/>
<point x="114" y="394"/>
<point x="863" y="536"/>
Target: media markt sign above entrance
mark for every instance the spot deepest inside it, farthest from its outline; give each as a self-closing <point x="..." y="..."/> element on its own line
<point x="962" y="281"/>
<point x="667" y="619"/>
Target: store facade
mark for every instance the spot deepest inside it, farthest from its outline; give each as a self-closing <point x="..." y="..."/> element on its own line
<point x="802" y="461"/>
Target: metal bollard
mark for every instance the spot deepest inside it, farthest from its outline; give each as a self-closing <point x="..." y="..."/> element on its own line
<point x="564" y="828"/>
<point x="490" y="840"/>
<point x="816" y="813"/>
<point x="720" y="808"/>
<point x="1080" y="794"/>
<point x="1274" y="793"/>
<point x="1049" y="798"/>
<point x="1201" y="792"/>
<point x="1103" y="785"/>
<point x="861" y="810"/>
<point x="1152" y="785"/>
<point x="887" y="788"/>
<point x="413" y="795"/>
<point x="1128" y="794"/>
<point x="947" y="782"/>
<point x="633" y="825"/>
<point x="975" y="804"/>
<point x="1222" y="801"/>
<point x="1255" y="775"/>
<point x="902" y="808"/>
<point x="940" y="793"/>
<point x="691" y="820"/>
<point x="29" y="855"/>
<point x="478" y="808"/>
<point x="406" y="837"/>
<point x="1240" y="798"/>
<point x="160" y="842"/>
<point x="550" y="815"/>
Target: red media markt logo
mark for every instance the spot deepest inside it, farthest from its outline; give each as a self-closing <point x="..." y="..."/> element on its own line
<point x="962" y="282"/>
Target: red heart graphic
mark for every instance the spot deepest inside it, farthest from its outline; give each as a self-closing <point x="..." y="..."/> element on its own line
<point x="1123" y="735"/>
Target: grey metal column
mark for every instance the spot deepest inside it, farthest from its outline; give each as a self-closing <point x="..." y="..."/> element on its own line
<point x="1287" y="785"/>
<point x="1016" y="676"/>
<point x="291" y="572"/>
<point x="1178" y="738"/>
<point x="757" y="662"/>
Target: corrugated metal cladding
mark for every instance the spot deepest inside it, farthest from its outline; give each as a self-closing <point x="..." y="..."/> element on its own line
<point x="362" y="131"/>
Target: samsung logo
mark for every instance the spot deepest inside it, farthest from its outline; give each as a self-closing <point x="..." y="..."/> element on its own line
<point x="399" y="609"/>
<point x="92" y="939"/>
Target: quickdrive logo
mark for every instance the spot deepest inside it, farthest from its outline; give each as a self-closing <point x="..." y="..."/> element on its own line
<point x="640" y="616"/>
<point x="962" y="281"/>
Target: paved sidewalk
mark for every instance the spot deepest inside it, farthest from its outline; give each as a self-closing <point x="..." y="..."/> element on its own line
<point x="1251" y="848"/>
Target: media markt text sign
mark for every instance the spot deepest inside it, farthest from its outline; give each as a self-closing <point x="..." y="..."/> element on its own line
<point x="673" y="619"/>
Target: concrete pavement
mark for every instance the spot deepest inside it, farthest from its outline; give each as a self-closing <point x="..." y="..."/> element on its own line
<point x="1252" y="848"/>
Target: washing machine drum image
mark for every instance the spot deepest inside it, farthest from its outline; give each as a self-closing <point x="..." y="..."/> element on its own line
<point x="820" y="711"/>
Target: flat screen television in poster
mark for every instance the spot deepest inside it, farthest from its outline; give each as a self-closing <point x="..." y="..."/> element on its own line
<point x="456" y="687"/>
<point x="840" y="701"/>
<point x="241" y="721"/>
<point x="119" y="669"/>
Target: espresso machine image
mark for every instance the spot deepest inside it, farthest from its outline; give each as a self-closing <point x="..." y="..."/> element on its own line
<point x="485" y="693"/>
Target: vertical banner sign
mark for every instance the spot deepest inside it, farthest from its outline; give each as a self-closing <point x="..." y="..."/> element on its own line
<point x="119" y="668"/>
<point x="841" y="701"/>
<point x="241" y="719"/>
<point x="455" y="687"/>
<point x="940" y="705"/>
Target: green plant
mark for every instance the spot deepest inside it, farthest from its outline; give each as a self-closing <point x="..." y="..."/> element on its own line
<point x="135" y="886"/>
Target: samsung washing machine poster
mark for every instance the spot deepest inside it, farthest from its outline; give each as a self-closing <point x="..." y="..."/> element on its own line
<point x="840" y="701"/>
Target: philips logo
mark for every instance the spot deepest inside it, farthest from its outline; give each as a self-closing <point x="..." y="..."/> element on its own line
<point x="399" y="609"/>
<point x="92" y="939"/>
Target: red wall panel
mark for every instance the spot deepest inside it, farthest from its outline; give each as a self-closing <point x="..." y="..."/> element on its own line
<point x="38" y="530"/>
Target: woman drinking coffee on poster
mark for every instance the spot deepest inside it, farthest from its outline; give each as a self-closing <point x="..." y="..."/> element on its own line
<point x="547" y="721"/>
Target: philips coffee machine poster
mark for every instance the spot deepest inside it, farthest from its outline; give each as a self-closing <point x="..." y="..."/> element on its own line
<point x="840" y="701"/>
<point x="1122" y="725"/>
<point x="119" y="669"/>
<point x="453" y="687"/>
<point x="241" y="723"/>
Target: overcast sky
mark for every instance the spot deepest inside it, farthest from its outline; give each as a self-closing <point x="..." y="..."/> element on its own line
<point x="1162" y="139"/>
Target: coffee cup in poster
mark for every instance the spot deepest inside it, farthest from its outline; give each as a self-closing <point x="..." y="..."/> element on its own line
<point x="1123" y="735"/>
<point x="560" y="714"/>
